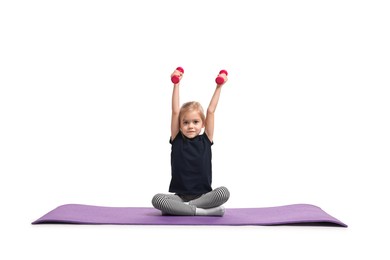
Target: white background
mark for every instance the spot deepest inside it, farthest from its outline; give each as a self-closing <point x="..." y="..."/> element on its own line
<point x="85" y="118"/>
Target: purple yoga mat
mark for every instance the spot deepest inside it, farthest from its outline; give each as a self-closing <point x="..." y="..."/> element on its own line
<point x="281" y="215"/>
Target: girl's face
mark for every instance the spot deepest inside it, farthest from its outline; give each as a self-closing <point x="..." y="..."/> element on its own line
<point x="191" y="124"/>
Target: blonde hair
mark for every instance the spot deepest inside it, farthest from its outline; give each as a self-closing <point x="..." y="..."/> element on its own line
<point x="192" y="106"/>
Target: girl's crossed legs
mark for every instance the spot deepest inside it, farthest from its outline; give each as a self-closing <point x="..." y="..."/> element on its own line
<point x="209" y="204"/>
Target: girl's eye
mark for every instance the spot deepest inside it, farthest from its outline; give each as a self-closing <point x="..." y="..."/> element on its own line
<point x="196" y="122"/>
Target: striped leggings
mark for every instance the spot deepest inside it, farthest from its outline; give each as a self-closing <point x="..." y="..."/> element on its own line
<point x="173" y="204"/>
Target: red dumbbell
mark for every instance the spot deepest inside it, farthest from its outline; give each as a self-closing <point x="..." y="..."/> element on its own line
<point x="175" y="78"/>
<point x="220" y="80"/>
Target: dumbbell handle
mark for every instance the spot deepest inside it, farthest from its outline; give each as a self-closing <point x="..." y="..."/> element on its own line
<point x="175" y="78"/>
<point x="220" y="80"/>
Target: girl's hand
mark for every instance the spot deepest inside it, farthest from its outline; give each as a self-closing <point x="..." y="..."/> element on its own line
<point x="221" y="78"/>
<point x="177" y="75"/>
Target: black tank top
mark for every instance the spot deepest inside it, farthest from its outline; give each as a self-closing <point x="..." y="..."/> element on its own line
<point x="191" y="165"/>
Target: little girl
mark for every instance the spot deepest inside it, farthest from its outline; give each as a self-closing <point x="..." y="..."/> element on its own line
<point x="191" y="160"/>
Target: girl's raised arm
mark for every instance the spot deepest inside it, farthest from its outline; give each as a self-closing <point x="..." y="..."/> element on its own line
<point x="209" y="124"/>
<point x="175" y="126"/>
